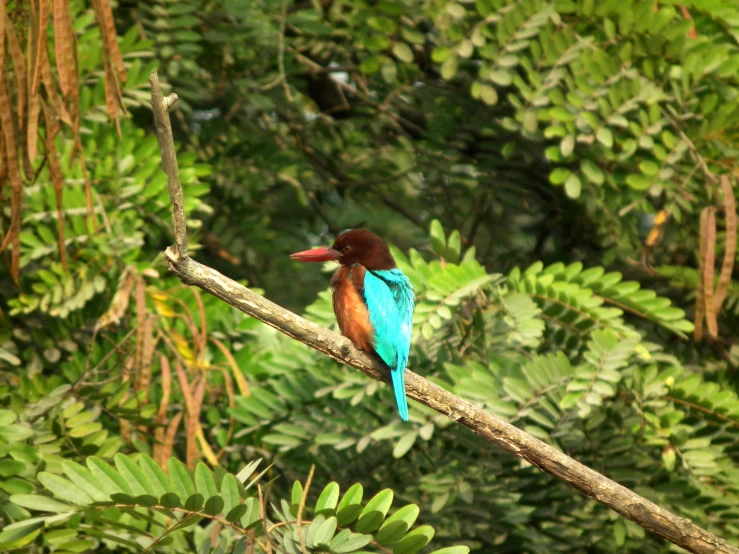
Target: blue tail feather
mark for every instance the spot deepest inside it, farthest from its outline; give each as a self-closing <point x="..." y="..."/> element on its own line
<point x="390" y="301"/>
<point x="398" y="377"/>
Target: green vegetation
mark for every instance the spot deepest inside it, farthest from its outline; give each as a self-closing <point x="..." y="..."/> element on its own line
<point x="550" y="177"/>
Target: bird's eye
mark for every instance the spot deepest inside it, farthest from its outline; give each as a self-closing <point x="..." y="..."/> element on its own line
<point x="346" y="248"/>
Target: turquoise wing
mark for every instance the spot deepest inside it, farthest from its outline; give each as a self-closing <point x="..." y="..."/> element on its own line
<point x="390" y="301"/>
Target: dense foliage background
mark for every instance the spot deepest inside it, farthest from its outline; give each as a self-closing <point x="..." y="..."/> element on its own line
<point x="557" y="179"/>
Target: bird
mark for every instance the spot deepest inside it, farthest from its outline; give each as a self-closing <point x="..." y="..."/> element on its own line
<point x="373" y="301"/>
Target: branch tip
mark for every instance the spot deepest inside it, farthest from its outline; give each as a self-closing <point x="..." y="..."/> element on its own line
<point x="160" y="105"/>
<point x="172" y="255"/>
<point x="170" y="100"/>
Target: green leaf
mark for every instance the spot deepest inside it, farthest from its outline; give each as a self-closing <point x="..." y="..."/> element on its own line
<point x="649" y="168"/>
<point x="8" y="468"/>
<point x="351" y="505"/>
<point x="438" y="239"/>
<point x="352" y="544"/>
<point x="313" y="529"/>
<point x="455" y="10"/>
<point x="63" y="489"/>
<point x="501" y="77"/>
<point x="339" y="540"/>
<point x="204" y="482"/>
<point x="205" y="546"/>
<point x="454" y="246"/>
<point x="592" y="172"/>
<point x="403" y="52"/>
<point x="16" y="486"/>
<point x="133" y="475"/>
<point x="13" y="535"/>
<point x="374" y="512"/>
<point x="371" y="65"/>
<point x="123" y="498"/>
<point x="669" y="457"/>
<point x="559" y="175"/>
<point x="325" y="532"/>
<point x="441" y="53"/>
<point x="489" y="95"/>
<point x="40" y="503"/>
<point x="7" y="417"/>
<point x="389" y="71"/>
<point x="295" y="497"/>
<point x="170" y="500"/>
<point x="188" y="521"/>
<point x="85" y="430"/>
<point x="230" y="493"/>
<point x="573" y="186"/>
<point x="567" y="146"/>
<point x="147" y="500"/>
<point x="571" y="399"/>
<point x="619" y="532"/>
<point x="405" y="443"/>
<point x="605" y="137"/>
<point x="25" y="453"/>
<point x="328" y="499"/>
<point x="453" y="550"/>
<point x="155" y="476"/>
<point x="16" y="432"/>
<point x="179" y="477"/>
<point x="194" y="502"/>
<point x="251" y="518"/>
<point x="85" y="480"/>
<point x="449" y="68"/>
<point x="397" y="525"/>
<point x="108" y="477"/>
<point x="346" y="541"/>
<point x="638" y="182"/>
<point x="415" y="540"/>
<point x="559" y="113"/>
<point x="256" y="479"/>
<point x="669" y="140"/>
<point x="213" y="506"/>
<point x="240" y="546"/>
<point x="79" y="419"/>
<point x="508" y="61"/>
<point x="236" y="513"/>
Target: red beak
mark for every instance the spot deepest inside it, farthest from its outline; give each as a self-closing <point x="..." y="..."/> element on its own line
<point x="322" y="254"/>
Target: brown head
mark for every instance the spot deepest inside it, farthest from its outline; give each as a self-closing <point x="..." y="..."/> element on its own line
<point x="358" y="246"/>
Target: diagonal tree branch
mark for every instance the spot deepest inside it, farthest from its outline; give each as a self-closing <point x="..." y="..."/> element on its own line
<point x="641" y="511"/>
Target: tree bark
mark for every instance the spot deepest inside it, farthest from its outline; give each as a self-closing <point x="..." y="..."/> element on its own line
<point x="680" y="531"/>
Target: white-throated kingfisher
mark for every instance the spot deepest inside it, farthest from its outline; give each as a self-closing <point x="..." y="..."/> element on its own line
<point x="373" y="301"/>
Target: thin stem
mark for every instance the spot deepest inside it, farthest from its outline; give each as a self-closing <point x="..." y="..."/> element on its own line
<point x="301" y="507"/>
<point x="263" y="516"/>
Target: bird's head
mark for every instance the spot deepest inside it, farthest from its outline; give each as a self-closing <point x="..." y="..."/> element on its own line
<point x="358" y="246"/>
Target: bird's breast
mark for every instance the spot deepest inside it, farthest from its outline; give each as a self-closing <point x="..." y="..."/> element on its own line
<point x="350" y="308"/>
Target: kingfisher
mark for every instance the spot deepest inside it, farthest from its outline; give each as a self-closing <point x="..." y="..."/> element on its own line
<point x="373" y="301"/>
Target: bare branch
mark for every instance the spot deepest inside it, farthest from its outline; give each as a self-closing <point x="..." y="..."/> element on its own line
<point x="680" y="531"/>
<point x="159" y="106"/>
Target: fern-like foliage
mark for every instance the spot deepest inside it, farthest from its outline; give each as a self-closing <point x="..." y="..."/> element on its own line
<point x="441" y="286"/>
<point x="174" y="29"/>
<point x="585" y="300"/>
<point x="140" y="507"/>
<point x="596" y="377"/>
<point x="689" y="278"/>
